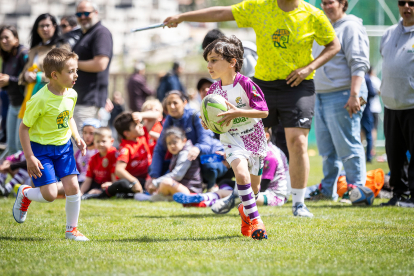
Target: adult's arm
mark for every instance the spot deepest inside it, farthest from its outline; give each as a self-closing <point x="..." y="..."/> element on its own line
<point x="95" y="65"/>
<point x="297" y="76"/>
<point x="213" y="14"/>
<point x="356" y="48"/>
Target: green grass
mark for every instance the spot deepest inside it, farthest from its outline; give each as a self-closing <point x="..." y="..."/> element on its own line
<point x="132" y="238"/>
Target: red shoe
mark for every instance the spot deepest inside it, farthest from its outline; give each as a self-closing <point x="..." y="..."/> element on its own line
<point x="258" y="230"/>
<point x="246" y="228"/>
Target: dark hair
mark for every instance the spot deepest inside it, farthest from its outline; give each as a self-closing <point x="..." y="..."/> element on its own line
<point x="176" y="65"/>
<point x="3" y="54"/>
<point x="72" y="20"/>
<point x="55" y="60"/>
<point x="211" y="36"/>
<point x="345" y="3"/>
<point x="35" y="38"/>
<point x="176" y="92"/>
<point x="174" y="131"/>
<point x="123" y="122"/>
<point x="229" y="48"/>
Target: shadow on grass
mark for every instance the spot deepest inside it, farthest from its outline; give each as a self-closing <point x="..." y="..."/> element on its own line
<point x="150" y="239"/>
<point x="188" y="216"/>
<point x="22" y="238"/>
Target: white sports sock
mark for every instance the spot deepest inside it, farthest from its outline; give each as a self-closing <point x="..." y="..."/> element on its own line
<point x="34" y="194"/>
<point x="210" y="196"/>
<point x="298" y="196"/>
<point x="72" y="211"/>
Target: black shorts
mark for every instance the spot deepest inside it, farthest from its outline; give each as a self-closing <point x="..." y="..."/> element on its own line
<point x="291" y="106"/>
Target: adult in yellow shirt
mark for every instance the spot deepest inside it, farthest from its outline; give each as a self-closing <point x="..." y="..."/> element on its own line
<point x="285" y="31"/>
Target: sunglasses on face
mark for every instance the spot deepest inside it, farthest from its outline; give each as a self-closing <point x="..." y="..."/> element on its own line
<point x="86" y="14"/>
<point x="402" y="3"/>
<point x="63" y="26"/>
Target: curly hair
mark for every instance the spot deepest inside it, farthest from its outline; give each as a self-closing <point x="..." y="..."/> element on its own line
<point x="229" y="48"/>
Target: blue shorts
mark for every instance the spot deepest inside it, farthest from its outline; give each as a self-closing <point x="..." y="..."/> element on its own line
<point x="56" y="160"/>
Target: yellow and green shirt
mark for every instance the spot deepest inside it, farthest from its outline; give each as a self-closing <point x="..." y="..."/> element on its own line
<point x="48" y="116"/>
<point x="284" y="39"/>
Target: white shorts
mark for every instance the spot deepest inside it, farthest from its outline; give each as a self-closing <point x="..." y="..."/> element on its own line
<point x="255" y="164"/>
<point x="274" y="199"/>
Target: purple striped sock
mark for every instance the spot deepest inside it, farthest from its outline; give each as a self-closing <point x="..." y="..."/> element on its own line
<point x="247" y="197"/>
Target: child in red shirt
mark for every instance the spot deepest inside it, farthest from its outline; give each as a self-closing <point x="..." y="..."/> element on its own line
<point x="151" y="116"/>
<point x="101" y="167"/>
<point x="134" y="155"/>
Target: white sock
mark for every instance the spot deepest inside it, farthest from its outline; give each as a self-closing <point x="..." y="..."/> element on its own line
<point x="72" y="211"/>
<point x="210" y="196"/>
<point x="298" y="195"/>
<point x="34" y="194"/>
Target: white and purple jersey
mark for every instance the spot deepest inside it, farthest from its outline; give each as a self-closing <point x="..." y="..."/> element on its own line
<point x="82" y="162"/>
<point x="277" y="170"/>
<point x="246" y="133"/>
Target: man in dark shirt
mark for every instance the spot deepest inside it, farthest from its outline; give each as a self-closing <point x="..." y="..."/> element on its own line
<point x="95" y="52"/>
<point x="138" y="90"/>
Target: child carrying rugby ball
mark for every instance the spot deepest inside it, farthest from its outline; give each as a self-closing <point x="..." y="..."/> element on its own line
<point x="45" y="134"/>
<point x="245" y="143"/>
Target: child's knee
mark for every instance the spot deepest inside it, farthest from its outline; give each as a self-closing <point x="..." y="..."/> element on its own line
<point x="49" y="196"/>
<point x="166" y="183"/>
<point x="243" y="177"/>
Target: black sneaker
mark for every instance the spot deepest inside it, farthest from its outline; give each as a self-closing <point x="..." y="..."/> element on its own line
<point x="409" y="203"/>
<point x="394" y="200"/>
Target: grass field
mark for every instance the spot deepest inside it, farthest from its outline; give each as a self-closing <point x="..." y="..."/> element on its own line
<point x="132" y="238"/>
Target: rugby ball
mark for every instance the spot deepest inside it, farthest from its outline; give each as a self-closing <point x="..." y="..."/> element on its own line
<point x="361" y="196"/>
<point x="212" y="105"/>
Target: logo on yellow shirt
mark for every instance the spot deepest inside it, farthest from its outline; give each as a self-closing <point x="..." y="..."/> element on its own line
<point x="63" y="119"/>
<point x="281" y="38"/>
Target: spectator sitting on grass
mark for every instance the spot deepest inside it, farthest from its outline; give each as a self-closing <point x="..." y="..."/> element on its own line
<point x="16" y="166"/>
<point x="88" y="129"/>
<point x="184" y="175"/>
<point x="134" y="156"/>
<point x="182" y="116"/>
<point x="100" y="173"/>
<point x="152" y="118"/>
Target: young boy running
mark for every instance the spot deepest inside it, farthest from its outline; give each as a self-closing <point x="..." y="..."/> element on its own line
<point x="45" y="134"/>
<point x="245" y="143"/>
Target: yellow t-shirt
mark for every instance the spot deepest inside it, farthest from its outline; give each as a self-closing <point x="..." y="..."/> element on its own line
<point x="48" y="116"/>
<point x="284" y="39"/>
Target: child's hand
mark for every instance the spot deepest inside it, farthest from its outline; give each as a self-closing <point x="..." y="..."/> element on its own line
<point x="193" y="153"/>
<point x="224" y="161"/>
<point x="81" y="145"/>
<point x="106" y="185"/>
<point x="137" y="117"/>
<point x="229" y="115"/>
<point x="34" y="166"/>
<point x="203" y="124"/>
<point x="5" y="167"/>
<point x="150" y="188"/>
